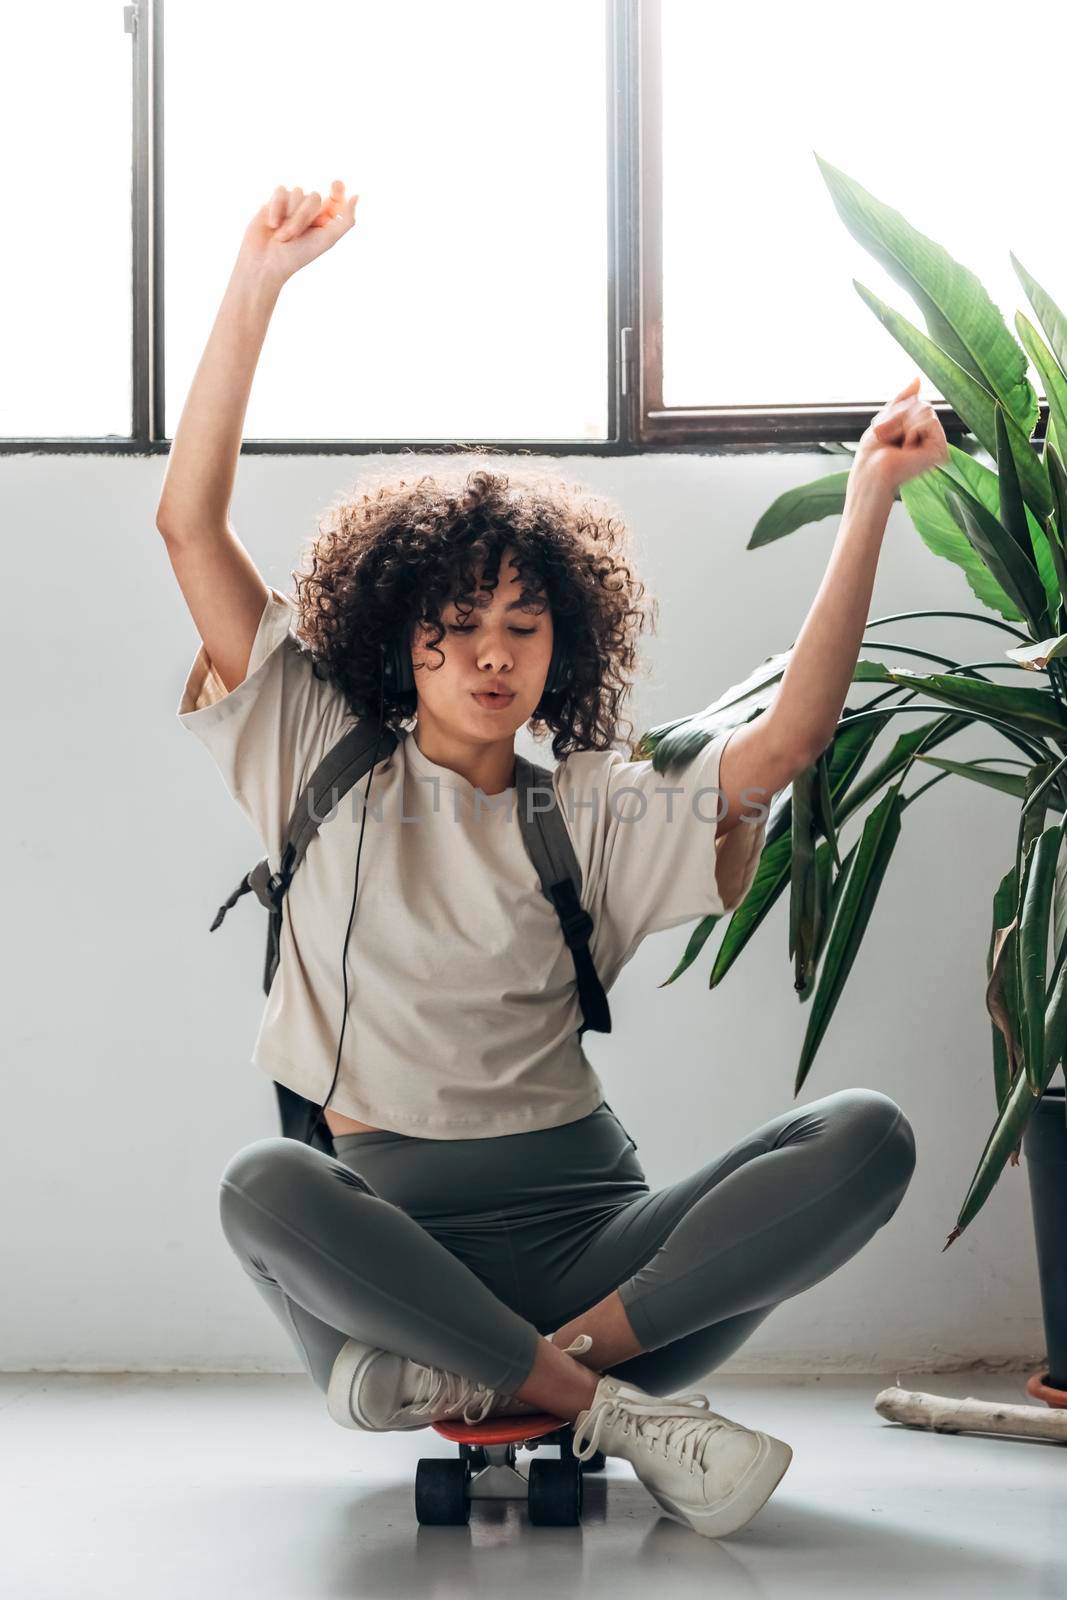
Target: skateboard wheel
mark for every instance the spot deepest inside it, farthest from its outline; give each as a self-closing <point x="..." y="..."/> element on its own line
<point x="555" y="1498"/>
<point x="441" y="1492"/>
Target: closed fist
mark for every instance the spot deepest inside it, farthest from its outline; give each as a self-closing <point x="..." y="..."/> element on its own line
<point x="293" y="228"/>
<point x="905" y="438"/>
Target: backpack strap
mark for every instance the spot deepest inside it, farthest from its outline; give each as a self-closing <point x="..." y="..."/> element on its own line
<point x="544" y="833"/>
<point x="342" y="766"/>
<point x="551" y="850"/>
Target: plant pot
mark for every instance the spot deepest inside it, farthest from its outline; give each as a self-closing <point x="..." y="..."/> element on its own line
<point x="1045" y="1148"/>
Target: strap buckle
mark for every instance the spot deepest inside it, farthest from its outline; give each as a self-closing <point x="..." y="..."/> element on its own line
<point x="577" y="926"/>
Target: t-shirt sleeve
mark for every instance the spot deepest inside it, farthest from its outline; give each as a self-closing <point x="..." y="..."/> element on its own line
<point x="268" y="734"/>
<point x="646" y="840"/>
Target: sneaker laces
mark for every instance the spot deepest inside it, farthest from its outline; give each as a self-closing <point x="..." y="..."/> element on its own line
<point x="439" y="1393"/>
<point x="434" y="1385"/>
<point x="678" y="1427"/>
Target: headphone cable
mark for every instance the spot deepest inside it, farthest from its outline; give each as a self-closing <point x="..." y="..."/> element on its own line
<point x="355" y="887"/>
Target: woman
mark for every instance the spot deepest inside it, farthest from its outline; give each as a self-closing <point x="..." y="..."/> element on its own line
<point x="485" y="1240"/>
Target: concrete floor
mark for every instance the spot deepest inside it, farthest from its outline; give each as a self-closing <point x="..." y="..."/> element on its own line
<point x="162" y="1487"/>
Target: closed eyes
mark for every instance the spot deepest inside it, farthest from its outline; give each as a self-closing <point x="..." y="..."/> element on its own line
<point x="455" y="627"/>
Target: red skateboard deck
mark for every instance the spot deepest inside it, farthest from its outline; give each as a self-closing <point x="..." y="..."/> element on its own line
<point x="498" y="1430"/>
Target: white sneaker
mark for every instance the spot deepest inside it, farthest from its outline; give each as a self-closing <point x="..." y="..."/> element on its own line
<point x="705" y="1471"/>
<point x="378" y="1391"/>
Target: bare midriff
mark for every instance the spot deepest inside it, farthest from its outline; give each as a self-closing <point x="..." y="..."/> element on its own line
<point x="338" y="1124"/>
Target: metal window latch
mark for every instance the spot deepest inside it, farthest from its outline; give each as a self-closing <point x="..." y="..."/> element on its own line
<point x="626" y="360"/>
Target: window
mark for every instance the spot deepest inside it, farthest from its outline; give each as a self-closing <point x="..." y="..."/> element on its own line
<point x="585" y="226"/>
<point x="753" y="330"/>
<point x="469" y="302"/>
<point x="65" y="308"/>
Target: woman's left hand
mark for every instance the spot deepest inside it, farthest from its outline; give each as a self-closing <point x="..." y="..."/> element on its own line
<point x="905" y="438"/>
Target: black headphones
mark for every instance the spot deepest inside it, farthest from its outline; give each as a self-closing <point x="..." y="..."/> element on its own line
<point x="398" y="676"/>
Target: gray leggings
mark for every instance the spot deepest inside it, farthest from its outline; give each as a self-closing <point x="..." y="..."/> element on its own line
<point x="462" y="1253"/>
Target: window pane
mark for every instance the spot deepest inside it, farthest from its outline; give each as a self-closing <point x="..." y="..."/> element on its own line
<point x="65" y="115"/>
<point x="920" y="106"/>
<point x="469" y="300"/>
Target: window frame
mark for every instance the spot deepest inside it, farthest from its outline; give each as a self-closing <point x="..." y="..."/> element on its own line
<point x="722" y="429"/>
<point x="637" y="420"/>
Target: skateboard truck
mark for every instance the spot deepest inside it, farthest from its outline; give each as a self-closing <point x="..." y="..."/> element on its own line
<point x="486" y="1470"/>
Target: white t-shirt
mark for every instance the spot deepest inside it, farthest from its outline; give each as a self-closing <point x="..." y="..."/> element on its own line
<point x="463" y="999"/>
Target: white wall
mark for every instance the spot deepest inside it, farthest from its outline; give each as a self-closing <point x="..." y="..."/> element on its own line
<point x="128" y="1081"/>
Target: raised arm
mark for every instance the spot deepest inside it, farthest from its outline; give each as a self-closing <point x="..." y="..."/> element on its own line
<point x="904" y="439"/>
<point x="222" y="585"/>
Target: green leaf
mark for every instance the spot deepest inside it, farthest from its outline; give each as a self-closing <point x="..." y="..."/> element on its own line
<point x="825" y="800"/>
<point x="851" y="746"/>
<point x="1006" y="782"/>
<point x="697" y="940"/>
<point x="982" y="491"/>
<point x="1031" y="822"/>
<point x="1004" y="1138"/>
<point x="810" y="502"/>
<point x="926" y="734"/>
<point x="927" y="505"/>
<point x="1036" y="800"/>
<point x="1049" y="315"/>
<point x="675" y="743"/>
<point x="984" y="485"/>
<point x="803" y="908"/>
<point x="846" y="756"/>
<point x="1033" y="951"/>
<point x="1056" y="1025"/>
<point x="1032" y="711"/>
<point x="770" y="881"/>
<point x="1052" y="436"/>
<point x="828" y="890"/>
<point x="960" y="316"/>
<point x="833" y="899"/>
<point x="880" y="832"/>
<point x="926" y="502"/>
<point x="1052" y="379"/>
<point x="1006" y="1135"/>
<point x="849" y="750"/>
<point x="1011" y="507"/>
<point x="1056" y="527"/>
<point x="1004" y="901"/>
<point x="1017" y="575"/>
<point x="973" y="403"/>
<point x="1059" y="913"/>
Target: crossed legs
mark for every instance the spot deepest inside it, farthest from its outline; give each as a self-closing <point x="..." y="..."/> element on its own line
<point x="708" y="1258"/>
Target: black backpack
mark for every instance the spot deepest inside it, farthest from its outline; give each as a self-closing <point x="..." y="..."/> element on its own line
<point x="544" y="833"/>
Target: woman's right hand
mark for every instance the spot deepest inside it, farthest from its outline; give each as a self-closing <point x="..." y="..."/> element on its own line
<point x="293" y="228"/>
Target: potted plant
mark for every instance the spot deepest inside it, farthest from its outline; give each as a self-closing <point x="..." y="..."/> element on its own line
<point x="998" y="510"/>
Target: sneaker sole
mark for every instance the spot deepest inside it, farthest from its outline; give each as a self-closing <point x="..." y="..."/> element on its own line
<point x="741" y="1504"/>
<point x="351" y="1360"/>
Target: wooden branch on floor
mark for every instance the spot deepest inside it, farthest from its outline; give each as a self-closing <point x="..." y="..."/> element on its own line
<point x="946" y="1414"/>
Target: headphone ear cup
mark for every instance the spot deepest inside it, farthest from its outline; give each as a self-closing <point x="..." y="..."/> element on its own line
<point x="557" y="674"/>
<point x="552" y="676"/>
<point x="398" y="676"/>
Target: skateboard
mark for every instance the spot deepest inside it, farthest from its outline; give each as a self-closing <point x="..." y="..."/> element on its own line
<point x="486" y="1470"/>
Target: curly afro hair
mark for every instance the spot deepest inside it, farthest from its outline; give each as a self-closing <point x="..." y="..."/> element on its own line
<point x="391" y="554"/>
